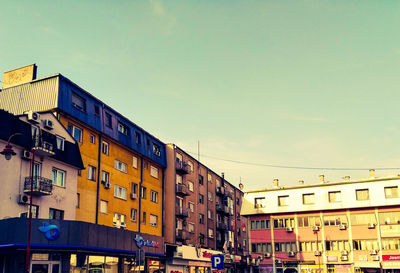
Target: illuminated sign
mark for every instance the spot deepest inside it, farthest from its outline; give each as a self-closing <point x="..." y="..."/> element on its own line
<point x="140" y="242"/>
<point x="390" y="257"/>
<point x="207" y="254"/>
<point x="51" y="232"/>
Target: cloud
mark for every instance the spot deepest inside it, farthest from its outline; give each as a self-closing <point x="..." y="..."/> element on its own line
<point x="157" y="7"/>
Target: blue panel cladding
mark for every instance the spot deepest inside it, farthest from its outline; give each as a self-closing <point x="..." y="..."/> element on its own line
<point x="94" y="113"/>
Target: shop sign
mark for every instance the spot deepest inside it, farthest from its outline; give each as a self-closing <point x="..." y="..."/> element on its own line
<point x="207" y="254"/>
<point x="367" y="264"/>
<point x="390" y="257"/>
<point x="51" y="232"/>
<point x="390" y="230"/>
<point x="175" y="271"/>
<point x="331" y="258"/>
<point x="342" y="268"/>
<point x="391" y="265"/>
<point x="363" y="258"/>
<point x="311" y="268"/>
<point x="141" y="242"/>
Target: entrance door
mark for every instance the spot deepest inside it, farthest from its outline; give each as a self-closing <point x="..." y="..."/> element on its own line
<point x="45" y="267"/>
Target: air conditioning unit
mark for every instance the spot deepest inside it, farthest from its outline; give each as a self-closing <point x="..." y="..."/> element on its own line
<point x="345" y="252"/>
<point x="48" y="124"/>
<point x="23" y="199"/>
<point x="267" y="255"/>
<point x="375" y="258"/>
<point x="342" y="226"/>
<point x="374" y="252"/>
<point x="371" y="225"/>
<point x="317" y="253"/>
<point x="33" y="117"/>
<point x="291" y="253"/>
<point x="289" y="229"/>
<point x="344" y="258"/>
<point x="315" y="228"/>
<point x="107" y="185"/>
<point x="26" y="155"/>
<point x="133" y="196"/>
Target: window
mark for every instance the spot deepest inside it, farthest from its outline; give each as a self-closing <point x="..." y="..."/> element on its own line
<point x="154" y="196"/>
<point x="337" y="245"/>
<point x="190" y="166"/>
<point x="143" y="193"/>
<point x="120" y="166"/>
<point x="191" y="206"/>
<point x="133" y="215"/>
<point x="335" y="220"/>
<point x="209" y="178"/>
<point x="366" y="245"/>
<point x="191" y="186"/>
<point x="210" y="214"/>
<point x="179" y="179"/>
<point x="392" y="192"/>
<point x="309" y="221"/>
<point x="119" y="192"/>
<point x="134" y="187"/>
<point x="92" y="139"/>
<point x="108" y="120"/>
<point x="210" y="233"/>
<point x="91" y="173"/>
<point x="103" y="206"/>
<point x="390" y="217"/>
<point x="134" y="162"/>
<point x="122" y="128"/>
<point x="191" y="227"/>
<point x="156" y="150"/>
<point x="201" y="199"/>
<point x="97" y="110"/>
<point x="60" y="143"/>
<point x="143" y="220"/>
<point x="58" y="177"/>
<point x="105" y="176"/>
<point x="210" y="196"/>
<point x="260" y="224"/>
<point x="284" y="223"/>
<point x="259" y="202"/>
<point x="75" y="132"/>
<point x="153" y="220"/>
<point x="310" y="246"/>
<point x="283" y="200"/>
<point x="389" y="244"/>
<point x="201" y="218"/>
<point x="56" y="214"/>
<point x="362" y="194"/>
<point x="104" y="148"/>
<point x="285" y="247"/>
<point x="260" y="247"/>
<point x="201" y="179"/>
<point x="154" y="171"/>
<point x="35" y="212"/>
<point x="201" y="238"/>
<point x="334" y="196"/>
<point x="363" y="219"/>
<point x="137" y="138"/>
<point x="119" y="220"/>
<point x="308" y="198"/>
<point x="78" y="200"/>
<point x="78" y="102"/>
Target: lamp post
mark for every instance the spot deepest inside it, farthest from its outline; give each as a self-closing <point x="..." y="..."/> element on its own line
<point x="8" y="153"/>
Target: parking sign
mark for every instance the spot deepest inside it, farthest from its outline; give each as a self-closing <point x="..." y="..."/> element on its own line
<point x="217" y="261"/>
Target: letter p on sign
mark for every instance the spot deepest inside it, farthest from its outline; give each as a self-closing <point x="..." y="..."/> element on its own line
<point x="217" y="261"/>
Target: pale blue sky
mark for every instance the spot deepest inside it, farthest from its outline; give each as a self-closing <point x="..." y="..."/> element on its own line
<point x="302" y="83"/>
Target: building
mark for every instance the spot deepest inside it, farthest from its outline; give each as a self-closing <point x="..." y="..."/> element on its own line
<point x="344" y="226"/>
<point x="202" y="216"/>
<point x="121" y="184"/>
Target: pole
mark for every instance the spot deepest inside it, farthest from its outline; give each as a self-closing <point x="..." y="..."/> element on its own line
<point x="319" y="257"/>
<point x="28" y="243"/>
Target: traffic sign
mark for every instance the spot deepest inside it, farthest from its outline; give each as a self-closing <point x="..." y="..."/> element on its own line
<point x="217" y="261"/>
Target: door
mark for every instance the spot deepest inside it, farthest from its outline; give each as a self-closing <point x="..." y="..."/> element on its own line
<point x="45" y="267"/>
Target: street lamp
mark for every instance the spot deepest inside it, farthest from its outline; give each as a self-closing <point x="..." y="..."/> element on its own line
<point x="8" y="152"/>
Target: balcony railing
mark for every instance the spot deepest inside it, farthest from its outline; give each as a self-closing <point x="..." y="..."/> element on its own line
<point x="222" y="208"/>
<point x="41" y="185"/>
<point x="181" y="235"/>
<point x="181" y="212"/>
<point x="181" y="189"/>
<point x="182" y="167"/>
<point x="221" y="225"/>
<point x="42" y="147"/>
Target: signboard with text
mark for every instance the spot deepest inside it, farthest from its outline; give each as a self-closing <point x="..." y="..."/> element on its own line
<point x="217" y="261"/>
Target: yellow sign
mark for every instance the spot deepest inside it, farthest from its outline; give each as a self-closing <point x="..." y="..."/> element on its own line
<point x="19" y="76"/>
<point x="390" y="230"/>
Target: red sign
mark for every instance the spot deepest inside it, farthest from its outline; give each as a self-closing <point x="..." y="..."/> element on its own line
<point x="207" y="254"/>
<point x="390" y="257"/>
<point x="175" y="271"/>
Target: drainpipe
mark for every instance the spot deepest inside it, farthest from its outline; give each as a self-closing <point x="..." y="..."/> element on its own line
<point x="140" y="193"/>
<point x="162" y="203"/>
<point x="98" y="180"/>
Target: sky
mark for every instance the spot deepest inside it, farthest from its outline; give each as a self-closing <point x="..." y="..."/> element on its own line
<point x="301" y="83"/>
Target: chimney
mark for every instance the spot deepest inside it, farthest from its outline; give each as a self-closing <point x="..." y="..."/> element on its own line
<point x="347" y="178"/>
<point x="301" y="182"/>
<point x="276" y="183"/>
<point x="322" y="178"/>
<point x="223" y="175"/>
<point x="372" y="173"/>
<point x="241" y="186"/>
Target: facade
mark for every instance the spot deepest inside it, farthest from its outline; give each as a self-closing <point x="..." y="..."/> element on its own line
<point x="121" y="185"/>
<point x="345" y="226"/>
<point x="202" y="216"/>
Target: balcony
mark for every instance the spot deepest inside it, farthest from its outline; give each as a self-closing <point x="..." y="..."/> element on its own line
<point x="221" y="225"/>
<point x="220" y="191"/>
<point x="42" y="147"/>
<point x="181" y="235"/>
<point x="221" y="208"/>
<point x="182" y="167"/>
<point x="181" y="212"/>
<point x="181" y="189"/>
<point x="41" y="185"/>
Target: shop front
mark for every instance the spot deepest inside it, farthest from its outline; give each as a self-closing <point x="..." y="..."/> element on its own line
<point x="391" y="263"/>
<point x="60" y="246"/>
<point x="367" y="267"/>
<point x="190" y="259"/>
